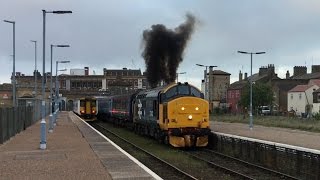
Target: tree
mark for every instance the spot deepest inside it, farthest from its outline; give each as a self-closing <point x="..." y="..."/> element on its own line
<point x="262" y="95"/>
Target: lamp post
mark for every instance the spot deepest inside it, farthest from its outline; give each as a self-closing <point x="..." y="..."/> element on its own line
<point x="180" y="73"/>
<point x="57" y="86"/>
<point x="51" y="117"/>
<point x="251" y="118"/>
<point x="43" y="143"/>
<point x="35" y="77"/>
<point x="35" y="67"/>
<point x="14" y="103"/>
<point x="207" y="95"/>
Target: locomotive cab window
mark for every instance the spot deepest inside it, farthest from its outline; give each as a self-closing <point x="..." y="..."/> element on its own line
<point x="196" y="92"/>
<point x="171" y="92"/>
<point x="183" y="90"/>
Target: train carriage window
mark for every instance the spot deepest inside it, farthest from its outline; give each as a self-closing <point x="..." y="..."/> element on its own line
<point x="82" y="103"/>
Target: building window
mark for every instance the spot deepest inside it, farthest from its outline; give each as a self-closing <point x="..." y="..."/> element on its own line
<point x="291" y="96"/>
<point x="318" y="98"/>
<point x="300" y="96"/>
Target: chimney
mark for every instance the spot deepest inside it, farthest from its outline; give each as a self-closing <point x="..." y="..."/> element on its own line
<point x="315" y="68"/>
<point x="86" y="71"/>
<point x="245" y="76"/>
<point x="299" y="70"/>
<point x="287" y="75"/>
<point x="240" y="76"/>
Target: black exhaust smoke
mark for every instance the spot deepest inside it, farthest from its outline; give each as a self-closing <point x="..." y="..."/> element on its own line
<point x="163" y="50"/>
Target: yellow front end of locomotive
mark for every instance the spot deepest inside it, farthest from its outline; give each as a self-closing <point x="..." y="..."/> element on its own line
<point x="187" y="122"/>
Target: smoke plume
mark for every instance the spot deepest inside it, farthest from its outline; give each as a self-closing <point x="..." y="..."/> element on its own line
<point x="163" y="50"/>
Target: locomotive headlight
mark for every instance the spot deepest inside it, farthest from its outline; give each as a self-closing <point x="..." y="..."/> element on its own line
<point x="197" y="108"/>
<point x="182" y="108"/>
<point x="190" y="117"/>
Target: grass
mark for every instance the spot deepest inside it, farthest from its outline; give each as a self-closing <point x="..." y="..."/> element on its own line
<point x="311" y="125"/>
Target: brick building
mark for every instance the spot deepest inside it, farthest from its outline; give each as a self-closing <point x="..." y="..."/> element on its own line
<point x="112" y="82"/>
<point x="265" y="75"/>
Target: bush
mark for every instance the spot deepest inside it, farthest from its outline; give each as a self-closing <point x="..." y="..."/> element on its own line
<point x="316" y="116"/>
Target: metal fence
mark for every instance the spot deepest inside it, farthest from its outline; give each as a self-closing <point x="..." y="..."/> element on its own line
<point x="15" y="120"/>
<point x="304" y="165"/>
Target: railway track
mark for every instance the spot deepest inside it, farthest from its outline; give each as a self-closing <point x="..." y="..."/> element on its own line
<point x="158" y="165"/>
<point x="236" y="166"/>
<point x="202" y="163"/>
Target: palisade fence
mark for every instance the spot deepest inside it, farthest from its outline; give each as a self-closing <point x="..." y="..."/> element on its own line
<point x="15" y="120"/>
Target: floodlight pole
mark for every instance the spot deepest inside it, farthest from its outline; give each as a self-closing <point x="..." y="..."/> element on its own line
<point x="43" y="139"/>
<point x="178" y="75"/>
<point x="14" y="103"/>
<point x="57" y="97"/>
<point x="251" y="117"/>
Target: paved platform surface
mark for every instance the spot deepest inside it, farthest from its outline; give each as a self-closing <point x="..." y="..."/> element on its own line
<point x="280" y="135"/>
<point x="69" y="155"/>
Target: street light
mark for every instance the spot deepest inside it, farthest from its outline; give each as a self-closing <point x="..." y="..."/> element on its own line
<point x="43" y="141"/>
<point x="251" y="118"/>
<point x="208" y="97"/>
<point x="180" y="73"/>
<point x="35" y="77"/>
<point x="14" y="63"/>
<point x="35" y="67"/>
<point x="57" y="86"/>
<point x="51" y="118"/>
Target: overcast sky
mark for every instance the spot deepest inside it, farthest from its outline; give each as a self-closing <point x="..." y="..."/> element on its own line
<point x="108" y="33"/>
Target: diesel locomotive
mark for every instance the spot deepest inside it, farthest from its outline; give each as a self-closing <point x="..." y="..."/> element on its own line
<point x="176" y="114"/>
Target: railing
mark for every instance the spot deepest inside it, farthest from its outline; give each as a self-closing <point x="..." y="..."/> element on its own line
<point x="298" y="162"/>
<point x="15" y="120"/>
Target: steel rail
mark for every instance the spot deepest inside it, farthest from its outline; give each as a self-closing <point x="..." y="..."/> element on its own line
<point x="251" y="164"/>
<point x="155" y="157"/>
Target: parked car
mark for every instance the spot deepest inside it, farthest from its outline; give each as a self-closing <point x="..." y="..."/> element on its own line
<point x="265" y="110"/>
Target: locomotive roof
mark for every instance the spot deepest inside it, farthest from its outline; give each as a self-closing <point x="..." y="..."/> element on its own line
<point x="155" y="91"/>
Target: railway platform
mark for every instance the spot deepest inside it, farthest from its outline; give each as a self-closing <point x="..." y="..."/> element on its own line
<point x="74" y="151"/>
<point x="273" y="134"/>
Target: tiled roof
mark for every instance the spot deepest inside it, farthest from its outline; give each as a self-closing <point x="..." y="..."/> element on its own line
<point x="256" y="77"/>
<point x="314" y="82"/>
<point x="300" y="88"/>
<point x="219" y="72"/>
<point x="238" y="84"/>
<point x="315" y="75"/>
